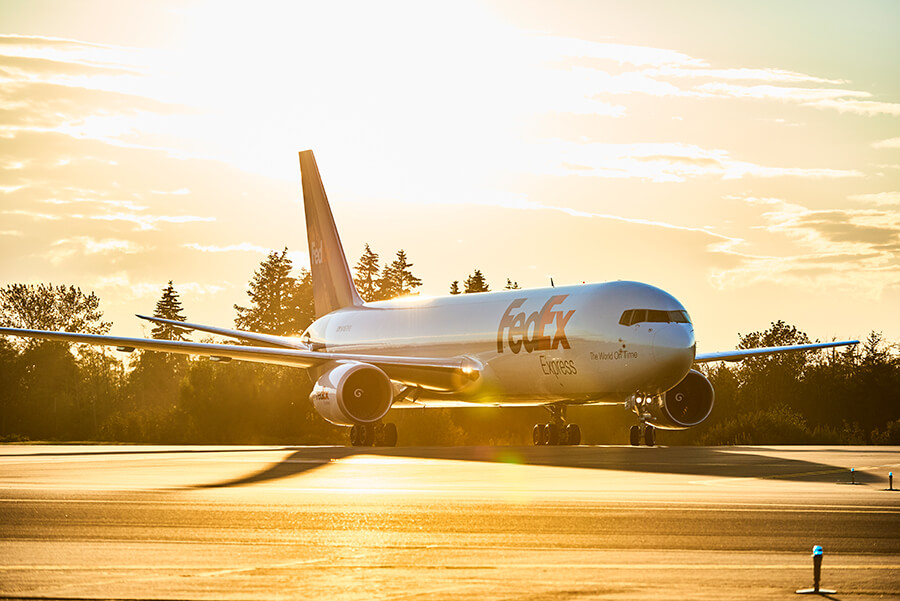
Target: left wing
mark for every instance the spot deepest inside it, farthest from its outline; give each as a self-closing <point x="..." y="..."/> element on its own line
<point x="738" y="355"/>
<point x="441" y="374"/>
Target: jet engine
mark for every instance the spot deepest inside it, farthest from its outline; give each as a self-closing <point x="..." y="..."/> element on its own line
<point x="352" y="393"/>
<point x="687" y="404"/>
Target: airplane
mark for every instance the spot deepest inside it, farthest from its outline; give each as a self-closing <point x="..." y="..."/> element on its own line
<point x="616" y="343"/>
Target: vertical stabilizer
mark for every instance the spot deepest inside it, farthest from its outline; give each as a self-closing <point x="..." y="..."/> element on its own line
<point x="333" y="286"/>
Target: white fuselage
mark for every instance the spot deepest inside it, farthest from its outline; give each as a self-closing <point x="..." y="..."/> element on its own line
<point x="531" y="346"/>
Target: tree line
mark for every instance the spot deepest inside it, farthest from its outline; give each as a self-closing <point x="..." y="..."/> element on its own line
<point x="54" y="391"/>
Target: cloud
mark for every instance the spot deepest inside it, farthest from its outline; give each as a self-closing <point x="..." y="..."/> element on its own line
<point x="242" y="247"/>
<point x="668" y="162"/>
<point x="36" y="68"/>
<point x="32" y="214"/>
<point x="46" y="41"/>
<point x="740" y="73"/>
<point x="836" y="249"/>
<point x="886" y="199"/>
<point x="146" y="222"/>
<point x="48" y="105"/>
<point x="62" y="250"/>
<point x="889" y="143"/>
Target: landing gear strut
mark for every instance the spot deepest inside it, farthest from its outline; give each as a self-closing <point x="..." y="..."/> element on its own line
<point x="378" y="434"/>
<point x="557" y="431"/>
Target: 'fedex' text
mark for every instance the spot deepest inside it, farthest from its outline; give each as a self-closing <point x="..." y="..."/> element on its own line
<point x="520" y="331"/>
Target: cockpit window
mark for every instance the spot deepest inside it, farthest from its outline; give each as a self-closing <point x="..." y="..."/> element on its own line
<point x="657" y="316"/>
<point x="634" y="316"/>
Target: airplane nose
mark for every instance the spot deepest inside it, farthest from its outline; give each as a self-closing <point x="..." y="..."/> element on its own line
<point x="674" y="346"/>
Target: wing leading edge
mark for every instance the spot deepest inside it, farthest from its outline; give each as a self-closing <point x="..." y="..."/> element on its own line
<point x="265" y="339"/>
<point x="740" y="354"/>
<point x="440" y="374"/>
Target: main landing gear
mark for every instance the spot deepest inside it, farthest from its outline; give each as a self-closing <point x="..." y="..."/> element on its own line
<point x="648" y="435"/>
<point x="557" y="432"/>
<point x="379" y="435"/>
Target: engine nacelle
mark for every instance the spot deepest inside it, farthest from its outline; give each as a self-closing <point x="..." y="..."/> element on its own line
<point x="352" y="393"/>
<point x="687" y="404"/>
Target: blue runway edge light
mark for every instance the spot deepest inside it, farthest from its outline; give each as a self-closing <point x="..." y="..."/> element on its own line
<point x="817" y="550"/>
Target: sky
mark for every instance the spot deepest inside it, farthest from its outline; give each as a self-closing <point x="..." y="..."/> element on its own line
<point x="745" y="157"/>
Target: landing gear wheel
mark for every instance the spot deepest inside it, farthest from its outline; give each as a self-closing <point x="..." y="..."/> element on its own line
<point x="537" y="434"/>
<point x="573" y="434"/>
<point x="354" y="435"/>
<point x="390" y="435"/>
<point x="378" y="436"/>
<point x="650" y="436"/>
<point x="635" y="436"/>
<point x="552" y="434"/>
<point x="368" y="435"/>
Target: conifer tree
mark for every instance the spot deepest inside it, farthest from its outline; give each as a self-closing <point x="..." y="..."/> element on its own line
<point x="169" y="307"/>
<point x="476" y="283"/>
<point x="366" y="279"/>
<point x="510" y="285"/>
<point x="397" y="279"/>
<point x="270" y="292"/>
<point x="454" y="287"/>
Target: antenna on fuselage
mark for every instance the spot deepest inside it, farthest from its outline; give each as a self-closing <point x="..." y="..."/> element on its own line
<point x="552" y="285"/>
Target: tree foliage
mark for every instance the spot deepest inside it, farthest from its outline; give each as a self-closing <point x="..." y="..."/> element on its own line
<point x="169" y="307"/>
<point x="49" y="307"/>
<point x="279" y="303"/>
<point x="366" y="279"/>
<point x="395" y="279"/>
<point x="476" y="283"/>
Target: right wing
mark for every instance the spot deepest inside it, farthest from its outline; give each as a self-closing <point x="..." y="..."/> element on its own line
<point x="440" y="374"/>
<point x="740" y="354"/>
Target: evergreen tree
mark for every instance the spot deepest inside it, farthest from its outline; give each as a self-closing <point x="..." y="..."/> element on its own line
<point x="397" y="279"/>
<point x="454" y="287"/>
<point x="302" y="309"/>
<point x="367" y="275"/>
<point x="476" y="283"/>
<point x="169" y="307"/>
<point x="270" y="292"/>
<point x="510" y="285"/>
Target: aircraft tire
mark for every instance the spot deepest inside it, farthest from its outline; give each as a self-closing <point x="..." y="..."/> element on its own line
<point x="366" y="435"/>
<point x="650" y="436"/>
<point x="635" y="436"/>
<point x="354" y="436"/>
<point x="537" y="434"/>
<point x="573" y="435"/>
<point x="552" y="434"/>
<point x="390" y="435"/>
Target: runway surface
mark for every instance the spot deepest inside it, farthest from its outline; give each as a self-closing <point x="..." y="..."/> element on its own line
<point x="535" y="523"/>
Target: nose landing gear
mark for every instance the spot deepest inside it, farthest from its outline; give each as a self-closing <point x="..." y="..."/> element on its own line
<point x="557" y="431"/>
<point x="645" y="431"/>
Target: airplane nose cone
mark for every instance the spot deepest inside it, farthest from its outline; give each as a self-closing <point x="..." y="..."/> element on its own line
<point x="674" y="347"/>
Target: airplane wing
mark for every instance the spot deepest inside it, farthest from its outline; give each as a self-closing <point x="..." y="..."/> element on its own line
<point x="738" y="355"/>
<point x="441" y="374"/>
<point x="265" y="339"/>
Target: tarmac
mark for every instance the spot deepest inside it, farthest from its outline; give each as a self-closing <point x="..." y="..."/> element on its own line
<point x="533" y="523"/>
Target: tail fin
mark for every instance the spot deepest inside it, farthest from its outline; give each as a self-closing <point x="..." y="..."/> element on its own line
<point x="333" y="286"/>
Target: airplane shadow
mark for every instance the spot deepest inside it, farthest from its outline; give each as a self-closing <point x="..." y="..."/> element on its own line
<point x="696" y="461"/>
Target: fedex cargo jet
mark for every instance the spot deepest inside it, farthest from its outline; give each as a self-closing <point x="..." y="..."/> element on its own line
<point x="621" y="343"/>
